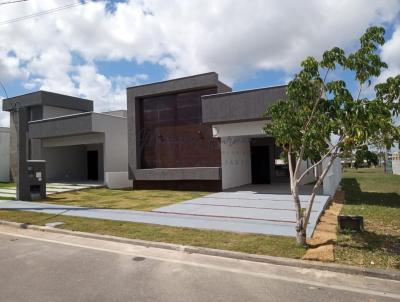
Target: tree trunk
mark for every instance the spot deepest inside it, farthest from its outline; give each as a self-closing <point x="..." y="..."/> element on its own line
<point x="301" y="238"/>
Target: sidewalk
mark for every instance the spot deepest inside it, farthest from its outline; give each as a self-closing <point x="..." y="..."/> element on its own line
<point x="178" y="220"/>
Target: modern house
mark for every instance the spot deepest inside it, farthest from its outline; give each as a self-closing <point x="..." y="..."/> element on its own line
<point x="77" y="143"/>
<point x="195" y="133"/>
<point x="4" y="154"/>
<point x="191" y="133"/>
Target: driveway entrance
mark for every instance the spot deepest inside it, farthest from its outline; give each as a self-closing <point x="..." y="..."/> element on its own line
<point x="269" y="208"/>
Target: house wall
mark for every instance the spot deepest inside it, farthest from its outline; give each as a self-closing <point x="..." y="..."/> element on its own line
<point x="310" y="176"/>
<point x="4" y="154"/>
<point x="52" y="111"/>
<point x="333" y="177"/>
<point x="115" y="141"/>
<point x="40" y="104"/>
<point x="66" y="163"/>
<point x="235" y="161"/>
<point x="191" y="177"/>
<point x="121" y="113"/>
<point x="253" y="128"/>
<point x="171" y="124"/>
<point x="240" y="105"/>
<point x="234" y="137"/>
<point x="396" y="163"/>
<point x="87" y="129"/>
<point x="69" y="163"/>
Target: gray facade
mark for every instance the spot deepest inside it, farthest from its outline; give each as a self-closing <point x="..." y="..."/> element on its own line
<point x="39" y="105"/>
<point x="63" y="131"/>
<point x="240" y="106"/>
<point x="230" y="114"/>
<point x="66" y="141"/>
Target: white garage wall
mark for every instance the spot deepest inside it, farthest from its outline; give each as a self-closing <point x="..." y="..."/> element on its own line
<point x="310" y="176"/>
<point x="235" y="161"/>
<point x="4" y="154"/>
<point x="115" y="141"/>
<point x="333" y="177"/>
<point x="396" y="163"/>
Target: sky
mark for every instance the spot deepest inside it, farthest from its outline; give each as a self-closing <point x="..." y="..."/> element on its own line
<point x="96" y="50"/>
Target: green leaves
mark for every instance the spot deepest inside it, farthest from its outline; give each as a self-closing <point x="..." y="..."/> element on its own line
<point x="389" y="93"/>
<point x="315" y="108"/>
<point x="365" y="62"/>
<point x="332" y="57"/>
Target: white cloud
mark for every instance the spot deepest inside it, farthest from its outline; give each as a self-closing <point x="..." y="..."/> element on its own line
<point x="234" y="39"/>
<point x="391" y="54"/>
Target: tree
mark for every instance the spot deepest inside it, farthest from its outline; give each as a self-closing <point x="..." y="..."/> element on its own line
<point x="320" y="119"/>
<point x="364" y="155"/>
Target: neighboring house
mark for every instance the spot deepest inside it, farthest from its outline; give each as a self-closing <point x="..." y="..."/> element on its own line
<point x="77" y="143"/>
<point x="190" y="133"/>
<point x="4" y="154"/>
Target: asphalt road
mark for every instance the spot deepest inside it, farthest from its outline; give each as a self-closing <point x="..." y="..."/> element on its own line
<point x="41" y="266"/>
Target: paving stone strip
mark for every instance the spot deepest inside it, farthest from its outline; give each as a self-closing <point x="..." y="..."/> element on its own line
<point x="325" y="234"/>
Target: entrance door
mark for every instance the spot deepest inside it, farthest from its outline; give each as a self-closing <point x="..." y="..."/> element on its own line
<point x="93" y="165"/>
<point x="260" y="169"/>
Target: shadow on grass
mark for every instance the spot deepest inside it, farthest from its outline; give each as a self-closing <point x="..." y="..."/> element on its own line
<point x="371" y="241"/>
<point x="354" y="195"/>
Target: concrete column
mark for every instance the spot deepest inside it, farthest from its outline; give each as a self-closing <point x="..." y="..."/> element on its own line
<point x="23" y="192"/>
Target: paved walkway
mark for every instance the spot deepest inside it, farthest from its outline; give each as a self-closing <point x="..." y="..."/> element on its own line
<point x="241" y="211"/>
<point x="51" y="188"/>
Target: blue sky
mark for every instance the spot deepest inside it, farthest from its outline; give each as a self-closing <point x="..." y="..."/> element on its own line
<point x="98" y="49"/>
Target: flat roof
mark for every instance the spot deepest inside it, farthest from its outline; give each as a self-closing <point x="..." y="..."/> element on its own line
<point x="46" y="98"/>
<point x="180" y="78"/>
<point x="223" y="94"/>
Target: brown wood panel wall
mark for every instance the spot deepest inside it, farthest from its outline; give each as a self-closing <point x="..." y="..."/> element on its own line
<point x="172" y="134"/>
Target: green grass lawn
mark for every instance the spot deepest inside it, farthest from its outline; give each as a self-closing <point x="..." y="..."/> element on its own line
<point x="142" y="200"/>
<point x="248" y="243"/>
<point x="4" y="185"/>
<point x="376" y="196"/>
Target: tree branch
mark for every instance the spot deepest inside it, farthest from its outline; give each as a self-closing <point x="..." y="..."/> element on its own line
<point x="301" y="153"/>
<point x="314" y="192"/>
<point x="319" y="162"/>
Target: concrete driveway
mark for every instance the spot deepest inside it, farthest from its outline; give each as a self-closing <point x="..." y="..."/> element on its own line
<point x="273" y="213"/>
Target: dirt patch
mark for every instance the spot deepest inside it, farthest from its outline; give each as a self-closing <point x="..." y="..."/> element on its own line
<point x="321" y="245"/>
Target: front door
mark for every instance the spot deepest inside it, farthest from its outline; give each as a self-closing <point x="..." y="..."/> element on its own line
<point x="260" y="168"/>
<point x="93" y="165"/>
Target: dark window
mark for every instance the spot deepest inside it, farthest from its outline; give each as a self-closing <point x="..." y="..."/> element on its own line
<point x="172" y="134"/>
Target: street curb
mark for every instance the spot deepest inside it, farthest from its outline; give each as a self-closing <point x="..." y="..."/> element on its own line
<point x="338" y="268"/>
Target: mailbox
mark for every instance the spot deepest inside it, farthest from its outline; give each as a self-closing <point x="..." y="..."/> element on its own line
<point x="36" y="179"/>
